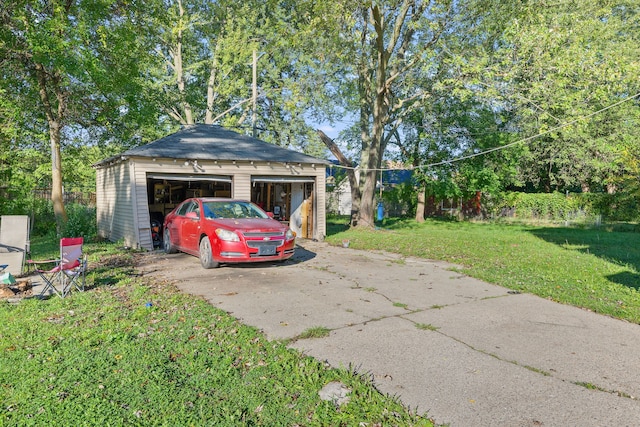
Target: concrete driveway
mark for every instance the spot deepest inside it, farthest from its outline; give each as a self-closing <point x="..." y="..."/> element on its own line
<point x="463" y="351"/>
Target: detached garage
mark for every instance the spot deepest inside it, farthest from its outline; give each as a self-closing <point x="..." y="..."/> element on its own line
<point x="147" y="182"/>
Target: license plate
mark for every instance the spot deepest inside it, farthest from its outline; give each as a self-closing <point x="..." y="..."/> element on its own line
<point x="267" y="250"/>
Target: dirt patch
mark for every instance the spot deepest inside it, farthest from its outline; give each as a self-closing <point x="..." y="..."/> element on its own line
<point x="20" y="289"/>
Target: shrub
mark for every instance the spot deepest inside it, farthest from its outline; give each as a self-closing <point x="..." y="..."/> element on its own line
<point x="400" y="201"/>
<point x="43" y="220"/>
<point x="553" y="206"/>
<point x="82" y="221"/>
<point x="558" y="206"/>
<point x="623" y="206"/>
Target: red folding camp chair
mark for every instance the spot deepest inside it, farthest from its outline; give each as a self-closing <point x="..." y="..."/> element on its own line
<point x="67" y="272"/>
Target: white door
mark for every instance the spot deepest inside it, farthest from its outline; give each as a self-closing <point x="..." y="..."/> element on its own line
<point x="297" y="197"/>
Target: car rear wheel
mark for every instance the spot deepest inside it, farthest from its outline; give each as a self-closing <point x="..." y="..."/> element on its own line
<point x="168" y="247"/>
<point x="206" y="256"/>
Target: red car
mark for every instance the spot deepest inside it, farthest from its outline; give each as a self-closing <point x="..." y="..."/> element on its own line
<point x="226" y="231"/>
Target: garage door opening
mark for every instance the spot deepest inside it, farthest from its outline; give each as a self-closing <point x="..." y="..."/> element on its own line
<point x="289" y="199"/>
<point x="165" y="192"/>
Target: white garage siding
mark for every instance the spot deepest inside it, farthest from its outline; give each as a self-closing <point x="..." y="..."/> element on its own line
<point x="141" y="206"/>
<point x="123" y="200"/>
<point x="224" y="159"/>
<point x="114" y="204"/>
<point x="241" y="188"/>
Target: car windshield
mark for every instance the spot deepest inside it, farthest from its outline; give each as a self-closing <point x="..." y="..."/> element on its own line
<point x="232" y="210"/>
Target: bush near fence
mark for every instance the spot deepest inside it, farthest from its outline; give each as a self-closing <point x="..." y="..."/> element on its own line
<point x="79" y="205"/>
<point x="544" y="206"/>
<point x="571" y="206"/>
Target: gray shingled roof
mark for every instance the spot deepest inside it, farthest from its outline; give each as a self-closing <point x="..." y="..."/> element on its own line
<point x="211" y="142"/>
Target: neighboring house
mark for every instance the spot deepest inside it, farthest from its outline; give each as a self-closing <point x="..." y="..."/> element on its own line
<point x="339" y="193"/>
<point x="339" y="196"/>
<point x="146" y="182"/>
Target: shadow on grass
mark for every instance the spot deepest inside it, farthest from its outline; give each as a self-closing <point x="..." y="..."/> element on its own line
<point x="618" y="247"/>
<point x="631" y="280"/>
<point x="111" y="269"/>
<point x="339" y="223"/>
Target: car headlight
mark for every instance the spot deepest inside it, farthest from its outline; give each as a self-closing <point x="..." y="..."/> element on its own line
<point x="226" y="235"/>
<point x="290" y="234"/>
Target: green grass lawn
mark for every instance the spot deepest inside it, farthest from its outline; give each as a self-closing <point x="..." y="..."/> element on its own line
<point x="594" y="268"/>
<point x="133" y="351"/>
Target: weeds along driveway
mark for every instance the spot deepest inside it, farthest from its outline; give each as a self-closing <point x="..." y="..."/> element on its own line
<point x="466" y="352"/>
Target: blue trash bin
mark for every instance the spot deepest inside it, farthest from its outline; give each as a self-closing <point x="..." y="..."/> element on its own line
<point x="380" y="211"/>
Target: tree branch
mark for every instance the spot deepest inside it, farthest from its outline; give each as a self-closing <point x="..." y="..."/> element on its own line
<point x="236" y="105"/>
<point x="356" y="195"/>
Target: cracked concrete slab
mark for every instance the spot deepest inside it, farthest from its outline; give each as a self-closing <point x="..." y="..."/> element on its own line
<point x="283" y="303"/>
<point x="465" y="351"/>
<point x="561" y="341"/>
<point x="460" y="386"/>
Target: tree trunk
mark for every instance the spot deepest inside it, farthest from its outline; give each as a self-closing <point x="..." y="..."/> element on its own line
<point x="372" y="154"/>
<point x="210" y="95"/>
<point x="367" y="206"/>
<point x="54" y="120"/>
<point x="254" y="94"/>
<point x="178" y="66"/>
<point x="351" y="174"/>
<point x="370" y="164"/>
<point x="56" y="176"/>
<point x="420" y="207"/>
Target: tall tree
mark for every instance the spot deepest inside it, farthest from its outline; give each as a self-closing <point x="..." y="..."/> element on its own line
<point x="247" y="55"/>
<point x="558" y="65"/>
<point x="396" y="38"/>
<point x="60" y="60"/>
<point x="384" y="42"/>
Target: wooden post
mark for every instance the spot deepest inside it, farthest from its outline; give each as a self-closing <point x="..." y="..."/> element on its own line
<point x="269" y="207"/>
<point x="310" y="218"/>
<point x="305" y="218"/>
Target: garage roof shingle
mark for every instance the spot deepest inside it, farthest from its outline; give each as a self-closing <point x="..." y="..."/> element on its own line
<point x="211" y="142"/>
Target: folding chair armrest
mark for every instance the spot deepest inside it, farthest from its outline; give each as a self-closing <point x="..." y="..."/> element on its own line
<point x="43" y="261"/>
<point x="35" y="263"/>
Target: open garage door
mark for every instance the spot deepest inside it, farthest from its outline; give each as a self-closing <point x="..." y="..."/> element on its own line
<point x="290" y="199"/>
<point x="165" y="191"/>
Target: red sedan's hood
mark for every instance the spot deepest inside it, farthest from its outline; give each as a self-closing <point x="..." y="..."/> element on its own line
<point x="250" y="225"/>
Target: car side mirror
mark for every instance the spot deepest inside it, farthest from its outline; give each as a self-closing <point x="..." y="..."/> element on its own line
<point x="270" y="214"/>
<point x="192" y="215"/>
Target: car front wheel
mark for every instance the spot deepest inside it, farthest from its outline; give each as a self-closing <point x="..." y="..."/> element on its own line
<point x="206" y="256"/>
<point x="168" y="247"/>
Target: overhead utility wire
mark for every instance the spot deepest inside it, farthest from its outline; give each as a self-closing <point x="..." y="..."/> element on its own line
<point x="502" y="147"/>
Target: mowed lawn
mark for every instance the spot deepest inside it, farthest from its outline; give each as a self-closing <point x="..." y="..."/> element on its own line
<point x="594" y="268"/>
<point x="134" y="351"/>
